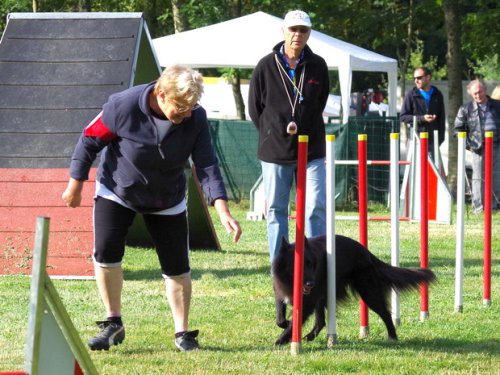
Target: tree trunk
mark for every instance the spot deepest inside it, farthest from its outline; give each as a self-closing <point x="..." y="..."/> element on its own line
<point x="235" y="11"/>
<point x="238" y="98"/>
<point x="454" y="65"/>
<point x="151" y="17"/>
<point x="85" y="6"/>
<point x="408" y="48"/>
<point x="180" y="21"/>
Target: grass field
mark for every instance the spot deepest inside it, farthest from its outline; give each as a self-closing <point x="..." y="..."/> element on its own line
<point x="234" y="309"/>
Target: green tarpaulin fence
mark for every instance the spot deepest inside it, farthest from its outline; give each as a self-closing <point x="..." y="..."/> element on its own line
<point x="236" y="146"/>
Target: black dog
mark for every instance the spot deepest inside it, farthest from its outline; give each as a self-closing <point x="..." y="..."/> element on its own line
<point x="356" y="269"/>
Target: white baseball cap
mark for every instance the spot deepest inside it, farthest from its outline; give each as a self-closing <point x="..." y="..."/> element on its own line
<point x="297" y="18"/>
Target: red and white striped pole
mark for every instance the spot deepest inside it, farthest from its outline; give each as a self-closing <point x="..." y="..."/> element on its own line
<point x="424" y="224"/>
<point x="298" y="274"/>
<point x="488" y="168"/>
<point x="363" y="220"/>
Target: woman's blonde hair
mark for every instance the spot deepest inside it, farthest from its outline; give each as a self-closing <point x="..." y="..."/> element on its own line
<point x="181" y="84"/>
<point x="496" y="93"/>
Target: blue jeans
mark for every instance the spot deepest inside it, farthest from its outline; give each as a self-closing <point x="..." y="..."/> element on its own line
<point x="278" y="180"/>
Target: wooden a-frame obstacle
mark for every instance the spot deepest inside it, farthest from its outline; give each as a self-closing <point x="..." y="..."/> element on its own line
<point x="53" y="345"/>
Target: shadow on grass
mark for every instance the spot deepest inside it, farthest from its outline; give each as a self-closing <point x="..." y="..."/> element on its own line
<point x="444" y="345"/>
<point x="441" y="345"/>
<point x="449" y="345"/>
<point x="230" y="272"/>
<point x="154" y="272"/>
<point x="142" y="264"/>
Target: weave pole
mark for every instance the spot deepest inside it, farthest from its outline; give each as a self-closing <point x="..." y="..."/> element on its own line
<point x="36" y="306"/>
<point x="488" y="184"/>
<point x="331" y="301"/>
<point x="394" y="186"/>
<point x="459" y="251"/>
<point x="298" y="267"/>
<point x="424" y="224"/>
<point x="53" y="345"/>
<point x="363" y="221"/>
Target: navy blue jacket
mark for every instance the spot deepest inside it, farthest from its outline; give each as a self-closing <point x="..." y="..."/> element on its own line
<point x="146" y="173"/>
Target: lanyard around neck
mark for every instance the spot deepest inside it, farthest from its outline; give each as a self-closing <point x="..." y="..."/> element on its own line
<point x="297" y="89"/>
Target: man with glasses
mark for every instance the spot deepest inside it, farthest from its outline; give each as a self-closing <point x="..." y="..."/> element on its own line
<point x="147" y="134"/>
<point x="425" y="104"/>
<point x="476" y="117"/>
<point x="288" y="93"/>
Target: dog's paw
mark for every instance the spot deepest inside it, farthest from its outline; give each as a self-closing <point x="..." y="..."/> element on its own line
<point x="284" y="338"/>
<point x="310" y="336"/>
<point x="280" y="342"/>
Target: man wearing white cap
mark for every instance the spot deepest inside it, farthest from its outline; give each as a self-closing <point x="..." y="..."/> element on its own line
<point x="288" y="93"/>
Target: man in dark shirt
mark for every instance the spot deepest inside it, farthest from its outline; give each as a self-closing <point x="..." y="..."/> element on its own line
<point x="480" y="115"/>
<point x="424" y="103"/>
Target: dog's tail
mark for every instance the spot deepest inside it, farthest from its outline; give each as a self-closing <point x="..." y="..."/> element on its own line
<point x="403" y="279"/>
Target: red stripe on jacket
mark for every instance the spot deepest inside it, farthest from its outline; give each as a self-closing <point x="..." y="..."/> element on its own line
<point x="97" y="128"/>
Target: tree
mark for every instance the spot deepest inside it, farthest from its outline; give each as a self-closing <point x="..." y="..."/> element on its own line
<point x="235" y="11"/>
<point x="198" y="14"/>
<point x="480" y="35"/>
<point x="454" y="64"/>
<point x="405" y="59"/>
<point x="180" y="21"/>
<point x="393" y="28"/>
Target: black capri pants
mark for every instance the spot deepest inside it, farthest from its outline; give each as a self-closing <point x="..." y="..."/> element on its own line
<point x="169" y="234"/>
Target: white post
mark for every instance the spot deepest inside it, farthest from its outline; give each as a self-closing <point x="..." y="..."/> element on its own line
<point x="414" y="170"/>
<point x="394" y="192"/>
<point x="459" y="252"/>
<point x="330" y="241"/>
<point x="437" y="158"/>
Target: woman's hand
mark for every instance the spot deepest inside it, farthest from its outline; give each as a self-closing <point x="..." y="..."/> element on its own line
<point x="231" y="224"/>
<point x="72" y="196"/>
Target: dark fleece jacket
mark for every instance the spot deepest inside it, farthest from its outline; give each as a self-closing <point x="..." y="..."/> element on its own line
<point x="270" y="109"/>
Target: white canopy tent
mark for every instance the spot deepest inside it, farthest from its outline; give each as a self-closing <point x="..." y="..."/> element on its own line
<point x="243" y="41"/>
